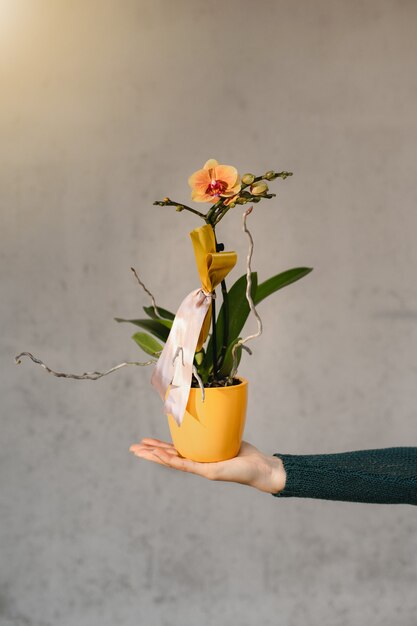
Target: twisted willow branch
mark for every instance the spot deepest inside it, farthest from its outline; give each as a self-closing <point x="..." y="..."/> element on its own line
<point x="179" y="351"/>
<point x="200" y="383"/>
<point x="241" y="342"/>
<point x="155" y="308"/>
<point x="86" y="375"/>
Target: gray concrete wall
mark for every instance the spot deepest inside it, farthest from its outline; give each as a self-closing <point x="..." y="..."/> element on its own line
<point x="106" y="106"/>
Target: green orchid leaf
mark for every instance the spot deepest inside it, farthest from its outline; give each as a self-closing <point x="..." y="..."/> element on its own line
<point x="238" y="314"/>
<point x="226" y="368"/>
<point x="204" y="375"/>
<point x="239" y="308"/>
<point x="279" y="281"/>
<point x="199" y="358"/>
<point x="159" y="328"/>
<point x="148" y="344"/>
<point x="164" y="313"/>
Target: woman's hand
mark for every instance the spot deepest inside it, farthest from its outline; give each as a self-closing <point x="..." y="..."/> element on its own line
<point x="250" y="467"/>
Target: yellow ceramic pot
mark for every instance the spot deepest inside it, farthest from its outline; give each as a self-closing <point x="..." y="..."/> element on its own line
<point x="212" y="430"/>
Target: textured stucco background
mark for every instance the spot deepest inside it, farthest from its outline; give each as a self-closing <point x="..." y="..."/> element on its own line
<point x="106" y="106"/>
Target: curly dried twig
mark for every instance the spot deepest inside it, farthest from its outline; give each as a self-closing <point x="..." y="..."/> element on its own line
<point x="200" y="383"/>
<point x="155" y="308"/>
<point x="86" y="375"/>
<point x="179" y="351"/>
<point x="241" y="342"/>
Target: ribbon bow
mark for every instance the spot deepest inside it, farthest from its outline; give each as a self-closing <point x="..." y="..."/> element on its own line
<point x="174" y="369"/>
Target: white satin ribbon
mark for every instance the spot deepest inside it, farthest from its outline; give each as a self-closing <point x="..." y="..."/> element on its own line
<point x="174" y="368"/>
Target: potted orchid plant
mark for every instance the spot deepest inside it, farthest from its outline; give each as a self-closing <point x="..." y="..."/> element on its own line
<point x="197" y="348"/>
<point x="196" y="351"/>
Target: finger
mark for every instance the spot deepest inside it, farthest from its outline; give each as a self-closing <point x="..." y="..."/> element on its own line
<point x="170" y="451"/>
<point x="156" y="442"/>
<point x="138" y="447"/>
<point x="207" y="470"/>
<point x="150" y="456"/>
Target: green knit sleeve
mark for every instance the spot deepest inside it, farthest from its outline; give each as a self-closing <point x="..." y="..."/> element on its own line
<point x="385" y="476"/>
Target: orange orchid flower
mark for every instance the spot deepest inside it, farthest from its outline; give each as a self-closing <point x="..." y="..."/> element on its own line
<point x="213" y="182"/>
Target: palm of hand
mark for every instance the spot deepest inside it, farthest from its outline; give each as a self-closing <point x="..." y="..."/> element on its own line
<point x="249" y="467"/>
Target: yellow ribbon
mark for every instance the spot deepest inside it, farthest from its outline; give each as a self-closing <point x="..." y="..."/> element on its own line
<point x="212" y="267"/>
<point x="173" y="372"/>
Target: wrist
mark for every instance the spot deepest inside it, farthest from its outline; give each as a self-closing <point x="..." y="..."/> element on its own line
<point x="278" y="475"/>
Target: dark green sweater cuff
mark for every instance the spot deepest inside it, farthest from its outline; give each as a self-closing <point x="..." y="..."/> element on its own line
<point x="384" y="476"/>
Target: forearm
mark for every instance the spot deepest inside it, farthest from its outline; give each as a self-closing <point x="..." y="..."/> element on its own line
<point x="386" y="476"/>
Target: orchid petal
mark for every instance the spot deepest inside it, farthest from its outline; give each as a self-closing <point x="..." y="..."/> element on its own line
<point x="227" y="174"/>
<point x="200" y="178"/>
<point x="199" y="196"/>
<point x="210" y="164"/>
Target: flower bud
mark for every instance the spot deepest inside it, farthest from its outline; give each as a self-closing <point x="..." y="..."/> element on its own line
<point x="179" y="208"/>
<point x="270" y="175"/>
<point x="258" y="189"/>
<point x="166" y="199"/>
<point x="247" y="179"/>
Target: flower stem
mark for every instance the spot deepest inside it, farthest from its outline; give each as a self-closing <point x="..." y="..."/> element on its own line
<point x="220" y="214"/>
<point x="179" y="207"/>
<point x="210" y="215"/>
<point x="219" y="248"/>
<point x="214" y="336"/>
<point x="220" y="210"/>
<point x="225" y="322"/>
